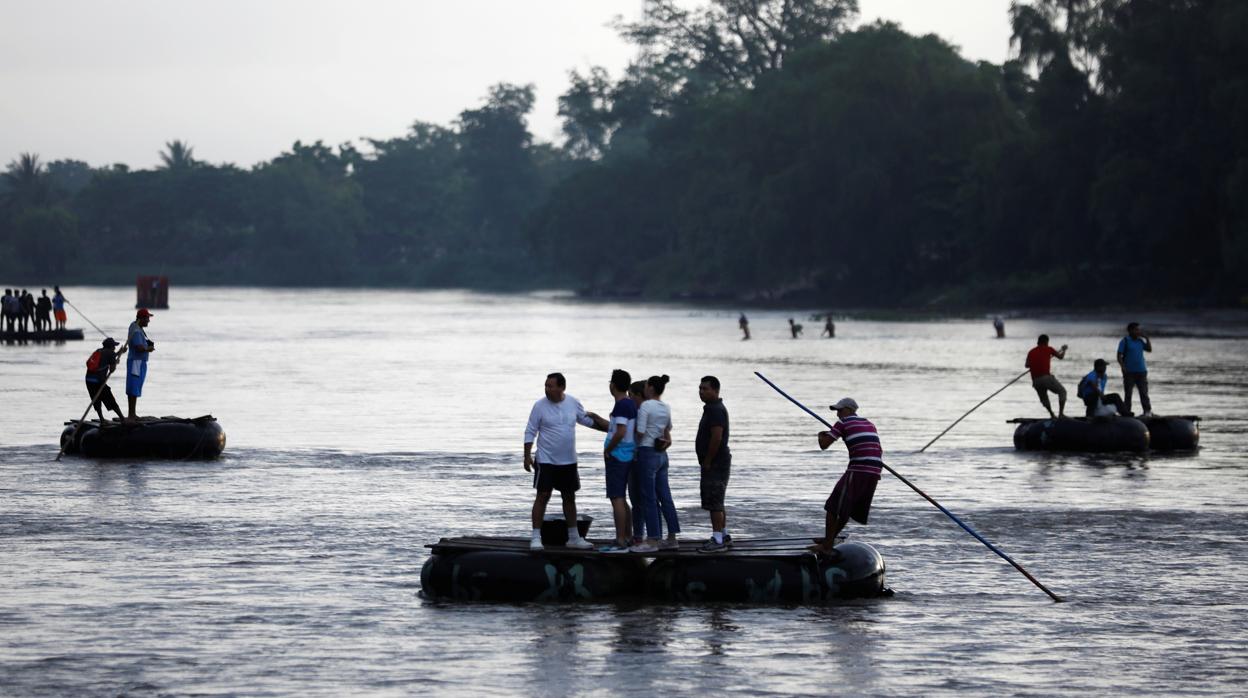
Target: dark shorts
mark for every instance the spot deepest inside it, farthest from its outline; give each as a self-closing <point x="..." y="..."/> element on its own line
<point x="106" y="398"/>
<point x="617" y="477"/>
<point x="851" y="498"/>
<point x="547" y="477"/>
<point x="714" y="485"/>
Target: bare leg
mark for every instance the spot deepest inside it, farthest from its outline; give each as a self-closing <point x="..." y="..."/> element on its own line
<point x="539" y="502"/>
<point x="623" y="527"/>
<point x="831" y="529"/>
<point x="131" y="400"/>
<point x="719" y="521"/>
<point x="569" y="510"/>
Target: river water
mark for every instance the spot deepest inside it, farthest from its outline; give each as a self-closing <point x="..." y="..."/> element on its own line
<point x="364" y="425"/>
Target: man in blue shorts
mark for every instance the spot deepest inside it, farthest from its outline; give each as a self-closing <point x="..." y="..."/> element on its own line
<point x="136" y="367"/>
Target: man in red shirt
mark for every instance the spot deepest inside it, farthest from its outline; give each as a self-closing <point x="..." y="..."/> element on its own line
<point x="1038" y="360"/>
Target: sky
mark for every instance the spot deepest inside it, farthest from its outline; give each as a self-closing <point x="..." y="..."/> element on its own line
<point x="241" y="80"/>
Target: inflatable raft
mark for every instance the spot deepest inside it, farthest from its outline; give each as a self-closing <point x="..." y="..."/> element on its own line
<point x="1107" y="434"/>
<point x="150" y="437"/>
<point x="41" y="336"/>
<point x="758" y="571"/>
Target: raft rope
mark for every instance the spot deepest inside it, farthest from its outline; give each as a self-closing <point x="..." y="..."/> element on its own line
<point x="948" y="513"/>
<point x="968" y="412"/>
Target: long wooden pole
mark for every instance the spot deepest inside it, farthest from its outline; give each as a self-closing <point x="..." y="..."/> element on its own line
<point x="78" y="427"/>
<point x="948" y="513"/>
<point x="968" y="412"/>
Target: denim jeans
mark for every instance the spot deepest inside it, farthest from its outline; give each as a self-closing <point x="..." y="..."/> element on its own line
<point x="645" y="504"/>
<point x="664" y="493"/>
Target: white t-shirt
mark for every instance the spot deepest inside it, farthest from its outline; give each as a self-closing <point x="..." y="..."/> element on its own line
<point x="553" y="425"/>
<point x="652" y="418"/>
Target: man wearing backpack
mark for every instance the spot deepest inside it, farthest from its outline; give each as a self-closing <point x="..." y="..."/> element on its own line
<point x="101" y="364"/>
<point x="1092" y="390"/>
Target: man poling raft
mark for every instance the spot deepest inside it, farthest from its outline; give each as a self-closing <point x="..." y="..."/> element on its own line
<point x="134" y="436"/>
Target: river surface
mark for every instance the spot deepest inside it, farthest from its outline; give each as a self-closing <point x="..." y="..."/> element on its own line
<point x="364" y="425"/>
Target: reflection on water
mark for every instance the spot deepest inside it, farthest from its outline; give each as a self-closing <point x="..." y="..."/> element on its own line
<point x="365" y="424"/>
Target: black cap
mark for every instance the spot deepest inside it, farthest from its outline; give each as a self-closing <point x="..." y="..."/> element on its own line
<point x="110" y="342"/>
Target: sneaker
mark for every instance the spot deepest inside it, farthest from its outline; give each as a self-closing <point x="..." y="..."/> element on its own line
<point x="580" y="544"/>
<point x="536" y="544"/>
<point x="613" y="548"/>
<point x="1148" y="414"/>
<point x="669" y="544"/>
<point x="727" y="540"/>
<point x="710" y="546"/>
<point x="644" y="547"/>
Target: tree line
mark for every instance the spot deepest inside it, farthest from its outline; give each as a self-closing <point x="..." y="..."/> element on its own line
<point x="753" y="149"/>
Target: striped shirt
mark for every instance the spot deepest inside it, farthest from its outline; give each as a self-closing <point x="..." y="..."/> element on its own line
<point x="863" y="441"/>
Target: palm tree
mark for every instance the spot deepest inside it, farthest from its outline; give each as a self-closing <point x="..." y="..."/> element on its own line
<point x="26" y="181"/>
<point x="178" y="156"/>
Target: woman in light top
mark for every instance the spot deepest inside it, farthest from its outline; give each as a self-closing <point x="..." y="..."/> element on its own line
<point x="654" y="425"/>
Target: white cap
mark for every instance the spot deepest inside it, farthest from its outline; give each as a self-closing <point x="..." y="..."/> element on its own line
<point x="845" y="403"/>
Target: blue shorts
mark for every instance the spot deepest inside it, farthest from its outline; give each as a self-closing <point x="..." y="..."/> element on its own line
<point x="136" y="373"/>
<point x="617" y="477"/>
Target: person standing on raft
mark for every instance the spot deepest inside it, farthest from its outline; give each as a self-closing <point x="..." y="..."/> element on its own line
<point x="619" y="452"/>
<point x="552" y="423"/>
<point x="100" y="366"/>
<point x="1134" y="369"/>
<point x="58" y="307"/>
<point x="852" y="495"/>
<point x="140" y="348"/>
<point x="1039" y="360"/>
<point x="715" y="461"/>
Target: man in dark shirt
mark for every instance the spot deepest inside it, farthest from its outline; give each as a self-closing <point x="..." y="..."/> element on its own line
<point x="711" y="446"/>
<point x="99" y="367"/>
<point x="43" y="312"/>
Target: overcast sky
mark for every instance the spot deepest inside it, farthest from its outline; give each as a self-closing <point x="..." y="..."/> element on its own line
<point x="241" y="80"/>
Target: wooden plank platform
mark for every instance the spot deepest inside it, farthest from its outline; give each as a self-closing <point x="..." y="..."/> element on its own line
<point x="756" y="547"/>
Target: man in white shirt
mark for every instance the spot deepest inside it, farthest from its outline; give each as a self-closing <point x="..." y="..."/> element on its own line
<point x="552" y="422"/>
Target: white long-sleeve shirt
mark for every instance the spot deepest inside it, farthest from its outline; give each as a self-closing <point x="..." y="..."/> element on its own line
<point x="553" y="425"/>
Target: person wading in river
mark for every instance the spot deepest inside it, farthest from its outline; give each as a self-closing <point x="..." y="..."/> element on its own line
<point x="552" y="424"/>
<point x="852" y="495"/>
<point x="1039" y="360"/>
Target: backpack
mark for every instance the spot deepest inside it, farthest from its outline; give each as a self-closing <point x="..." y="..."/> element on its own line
<point x="93" y="363"/>
<point x="1086" y="388"/>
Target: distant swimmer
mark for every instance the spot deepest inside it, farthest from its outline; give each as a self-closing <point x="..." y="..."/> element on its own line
<point x="58" y="307"/>
<point x="794" y="328"/>
<point x="744" y="324"/>
<point x="1092" y="391"/>
<point x="999" y="325"/>
<point x="1039" y="360"/>
<point x="852" y="495"/>
<point x="1134" y="369"/>
<point x="829" y="327"/>
<point x="136" y="368"/>
<point x="100" y="366"/>
<point x="552" y="425"/>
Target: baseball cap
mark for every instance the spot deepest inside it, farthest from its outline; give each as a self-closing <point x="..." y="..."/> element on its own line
<point x="110" y="342"/>
<point x="1100" y="362"/>
<point x="143" y="312"/>
<point x="844" y="403"/>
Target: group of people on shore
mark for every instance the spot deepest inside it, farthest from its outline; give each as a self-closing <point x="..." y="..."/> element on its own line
<point x="19" y="310"/>
<point x="1092" y="387"/>
<point x="103" y="361"/>
<point x="638" y="435"/>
